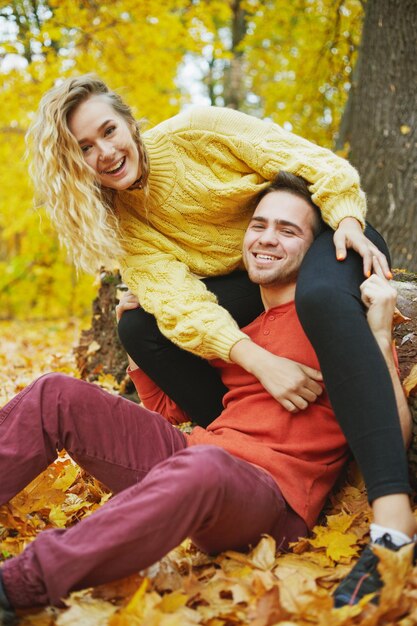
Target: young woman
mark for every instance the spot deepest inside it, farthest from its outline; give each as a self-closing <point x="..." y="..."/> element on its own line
<point x="171" y="207"/>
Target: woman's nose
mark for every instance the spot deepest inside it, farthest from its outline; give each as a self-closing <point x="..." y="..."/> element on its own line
<point x="106" y="151"/>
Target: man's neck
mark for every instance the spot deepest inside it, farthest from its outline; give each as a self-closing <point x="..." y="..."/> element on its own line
<point x="275" y="295"/>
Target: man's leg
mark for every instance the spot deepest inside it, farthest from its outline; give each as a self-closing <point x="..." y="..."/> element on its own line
<point x="202" y="492"/>
<point x="117" y="441"/>
<point x="114" y="439"/>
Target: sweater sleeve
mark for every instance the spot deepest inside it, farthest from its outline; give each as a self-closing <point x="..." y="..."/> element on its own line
<point x="267" y="148"/>
<point x="154" y="399"/>
<point x="186" y="312"/>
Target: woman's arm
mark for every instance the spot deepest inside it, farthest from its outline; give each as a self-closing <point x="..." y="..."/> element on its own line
<point x="267" y="148"/>
<point x="292" y="384"/>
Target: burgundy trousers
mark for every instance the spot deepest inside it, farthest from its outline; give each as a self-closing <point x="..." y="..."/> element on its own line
<point x="165" y="491"/>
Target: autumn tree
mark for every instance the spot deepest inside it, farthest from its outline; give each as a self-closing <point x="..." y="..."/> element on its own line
<point x="136" y="48"/>
<point x="291" y="62"/>
<point x="380" y="127"/>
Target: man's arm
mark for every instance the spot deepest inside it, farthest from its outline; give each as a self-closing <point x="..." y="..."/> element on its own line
<point x="154" y="399"/>
<point x="380" y="297"/>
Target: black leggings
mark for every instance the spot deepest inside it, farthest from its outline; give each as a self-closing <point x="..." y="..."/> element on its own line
<point x="330" y="309"/>
<point x="189" y="380"/>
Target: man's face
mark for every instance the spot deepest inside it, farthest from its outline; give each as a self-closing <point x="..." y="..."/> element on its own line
<point x="277" y="238"/>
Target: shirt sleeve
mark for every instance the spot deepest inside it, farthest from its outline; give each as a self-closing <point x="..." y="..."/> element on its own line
<point x="154" y="399"/>
<point x="187" y="313"/>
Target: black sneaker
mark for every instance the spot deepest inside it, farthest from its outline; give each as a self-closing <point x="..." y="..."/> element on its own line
<point x="7" y="618"/>
<point x="7" y="615"/>
<point x="364" y="577"/>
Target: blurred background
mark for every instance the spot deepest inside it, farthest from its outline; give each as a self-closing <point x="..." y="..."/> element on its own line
<point x="341" y="73"/>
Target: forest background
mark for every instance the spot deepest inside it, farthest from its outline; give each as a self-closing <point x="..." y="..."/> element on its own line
<point x="342" y="73"/>
<point x="293" y="62"/>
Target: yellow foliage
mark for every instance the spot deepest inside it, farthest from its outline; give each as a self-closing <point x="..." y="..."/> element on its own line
<point x="295" y="61"/>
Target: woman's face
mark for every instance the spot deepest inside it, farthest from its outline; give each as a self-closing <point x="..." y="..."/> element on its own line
<point x="107" y="143"/>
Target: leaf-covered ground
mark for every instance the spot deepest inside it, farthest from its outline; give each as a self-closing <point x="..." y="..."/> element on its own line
<point x="187" y="587"/>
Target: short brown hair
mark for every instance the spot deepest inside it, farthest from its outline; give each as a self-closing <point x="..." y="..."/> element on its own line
<point x="298" y="186"/>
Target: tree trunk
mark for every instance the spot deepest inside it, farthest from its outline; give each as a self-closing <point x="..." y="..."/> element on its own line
<point x="379" y="124"/>
<point x="233" y="79"/>
<point x="100" y="351"/>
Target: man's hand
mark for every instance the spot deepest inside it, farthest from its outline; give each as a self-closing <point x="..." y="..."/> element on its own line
<point x="292" y="384"/>
<point x="127" y="302"/>
<point x="349" y="234"/>
<point x="379" y="297"/>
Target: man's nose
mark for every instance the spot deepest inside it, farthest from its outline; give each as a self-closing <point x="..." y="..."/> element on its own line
<point x="268" y="237"/>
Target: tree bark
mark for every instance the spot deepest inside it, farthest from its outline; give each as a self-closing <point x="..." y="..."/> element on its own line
<point x="233" y="79"/>
<point x="100" y="351"/>
<point x="379" y="124"/>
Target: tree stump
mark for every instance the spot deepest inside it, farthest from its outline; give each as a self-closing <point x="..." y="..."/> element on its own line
<point x="100" y="351"/>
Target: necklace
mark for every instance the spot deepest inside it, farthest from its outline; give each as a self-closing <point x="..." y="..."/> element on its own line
<point x="137" y="184"/>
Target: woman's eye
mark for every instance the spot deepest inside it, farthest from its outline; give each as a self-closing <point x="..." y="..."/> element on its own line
<point x="110" y="130"/>
<point x="85" y="148"/>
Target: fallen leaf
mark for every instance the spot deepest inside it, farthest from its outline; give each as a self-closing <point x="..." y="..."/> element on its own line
<point x="410" y="382"/>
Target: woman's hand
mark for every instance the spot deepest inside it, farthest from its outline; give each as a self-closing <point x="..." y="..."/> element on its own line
<point x="127" y="302"/>
<point x="292" y="384"/>
<point x="349" y="234"/>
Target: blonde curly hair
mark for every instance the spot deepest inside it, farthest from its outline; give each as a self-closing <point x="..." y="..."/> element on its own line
<point x="81" y="210"/>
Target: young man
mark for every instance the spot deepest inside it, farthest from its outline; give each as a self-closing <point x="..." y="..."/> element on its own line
<point x="168" y="485"/>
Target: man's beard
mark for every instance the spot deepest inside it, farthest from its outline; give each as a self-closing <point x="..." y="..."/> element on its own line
<point x="282" y="277"/>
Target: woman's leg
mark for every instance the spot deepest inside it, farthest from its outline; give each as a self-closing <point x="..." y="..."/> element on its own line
<point x="189" y="380"/>
<point x="201" y="492"/>
<point x="356" y="377"/>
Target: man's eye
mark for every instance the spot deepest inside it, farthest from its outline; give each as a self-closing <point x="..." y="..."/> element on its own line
<point x="286" y="231"/>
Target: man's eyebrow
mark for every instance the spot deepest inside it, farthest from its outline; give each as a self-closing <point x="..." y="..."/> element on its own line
<point x="263" y="220"/>
<point x="80" y="141"/>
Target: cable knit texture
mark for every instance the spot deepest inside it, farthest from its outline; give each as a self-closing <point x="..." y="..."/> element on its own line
<point x="206" y="165"/>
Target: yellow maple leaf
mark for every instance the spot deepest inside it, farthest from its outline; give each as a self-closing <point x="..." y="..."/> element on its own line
<point x="341" y="522"/>
<point x="66" y="478"/>
<point x="57" y="517"/>
<point x="337" y="545"/>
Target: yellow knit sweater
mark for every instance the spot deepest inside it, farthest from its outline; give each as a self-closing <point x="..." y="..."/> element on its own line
<point x="205" y="166"/>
